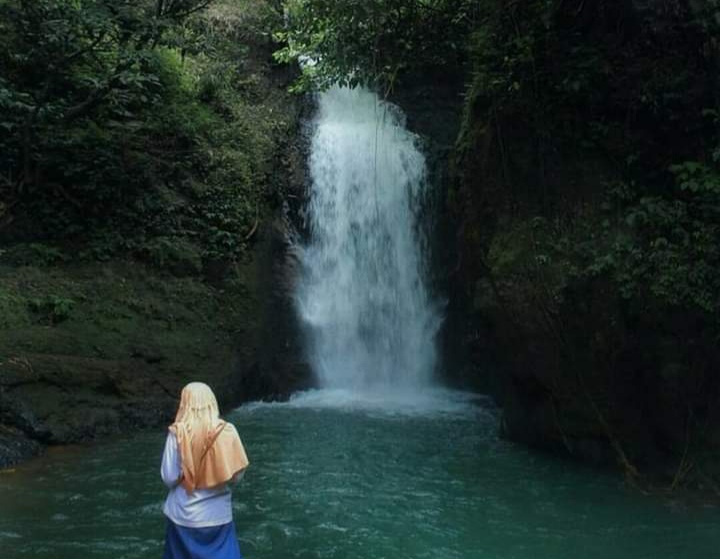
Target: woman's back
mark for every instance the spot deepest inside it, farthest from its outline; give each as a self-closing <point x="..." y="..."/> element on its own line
<point x="201" y="507"/>
<point x="202" y="456"/>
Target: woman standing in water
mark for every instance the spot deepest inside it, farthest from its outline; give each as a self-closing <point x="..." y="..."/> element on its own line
<point x="203" y="454"/>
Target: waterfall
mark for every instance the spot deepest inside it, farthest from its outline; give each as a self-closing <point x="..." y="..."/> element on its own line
<point x="363" y="296"/>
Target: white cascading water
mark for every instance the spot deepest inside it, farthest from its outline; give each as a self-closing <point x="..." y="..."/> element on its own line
<point x="371" y="321"/>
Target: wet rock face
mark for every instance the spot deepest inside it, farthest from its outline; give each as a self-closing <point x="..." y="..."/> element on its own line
<point x="19" y="430"/>
<point x="16" y="447"/>
<point x="272" y="363"/>
<point x="276" y="367"/>
<point x="61" y="399"/>
<point x="627" y="394"/>
<point x="433" y="105"/>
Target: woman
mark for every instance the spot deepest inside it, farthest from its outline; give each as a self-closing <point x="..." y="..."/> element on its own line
<point x="203" y="454"/>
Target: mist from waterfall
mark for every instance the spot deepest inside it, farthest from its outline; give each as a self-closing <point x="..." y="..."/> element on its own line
<point x="363" y="296"/>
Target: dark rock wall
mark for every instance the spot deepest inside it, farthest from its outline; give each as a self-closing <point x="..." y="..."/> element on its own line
<point x="578" y="369"/>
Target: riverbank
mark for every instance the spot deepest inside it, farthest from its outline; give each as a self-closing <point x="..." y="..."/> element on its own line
<point x="95" y="349"/>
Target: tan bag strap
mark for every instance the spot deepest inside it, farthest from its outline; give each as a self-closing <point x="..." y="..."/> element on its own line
<point x="212" y="442"/>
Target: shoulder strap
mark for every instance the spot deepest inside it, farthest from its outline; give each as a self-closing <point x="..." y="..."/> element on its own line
<point x="212" y="442"/>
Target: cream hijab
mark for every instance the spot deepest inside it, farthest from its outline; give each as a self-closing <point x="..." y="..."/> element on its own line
<point x="210" y="449"/>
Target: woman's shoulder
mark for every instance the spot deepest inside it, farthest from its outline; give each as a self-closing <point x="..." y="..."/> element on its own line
<point x="230" y="432"/>
<point x="229" y="427"/>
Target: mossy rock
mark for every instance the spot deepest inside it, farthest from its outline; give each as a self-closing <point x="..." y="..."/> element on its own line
<point x="14" y="312"/>
<point x="178" y="255"/>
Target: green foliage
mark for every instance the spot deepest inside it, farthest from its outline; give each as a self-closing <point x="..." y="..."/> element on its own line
<point x="37" y="254"/>
<point x="673" y="250"/>
<point x="52" y="308"/>
<point x="13" y="309"/>
<point x="613" y="78"/>
<point x="125" y="124"/>
<point x="121" y="309"/>
<point x="372" y="42"/>
<point x="77" y="77"/>
<point x="633" y="85"/>
<point x="177" y="255"/>
<point x="660" y="252"/>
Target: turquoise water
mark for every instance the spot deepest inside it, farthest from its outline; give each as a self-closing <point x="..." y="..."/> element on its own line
<point x="335" y="479"/>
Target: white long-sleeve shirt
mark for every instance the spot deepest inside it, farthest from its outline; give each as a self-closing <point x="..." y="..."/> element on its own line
<point x="202" y="507"/>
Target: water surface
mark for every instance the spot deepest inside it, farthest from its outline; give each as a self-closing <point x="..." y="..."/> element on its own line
<point x="334" y="477"/>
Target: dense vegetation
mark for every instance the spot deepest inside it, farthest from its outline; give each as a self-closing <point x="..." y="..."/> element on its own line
<point x="374" y="42"/>
<point x="132" y="125"/>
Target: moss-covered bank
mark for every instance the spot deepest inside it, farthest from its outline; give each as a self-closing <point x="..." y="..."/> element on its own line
<point x="92" y="349"/>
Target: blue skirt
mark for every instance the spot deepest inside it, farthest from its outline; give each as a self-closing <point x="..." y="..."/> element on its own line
<point x="214" y="542"/>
